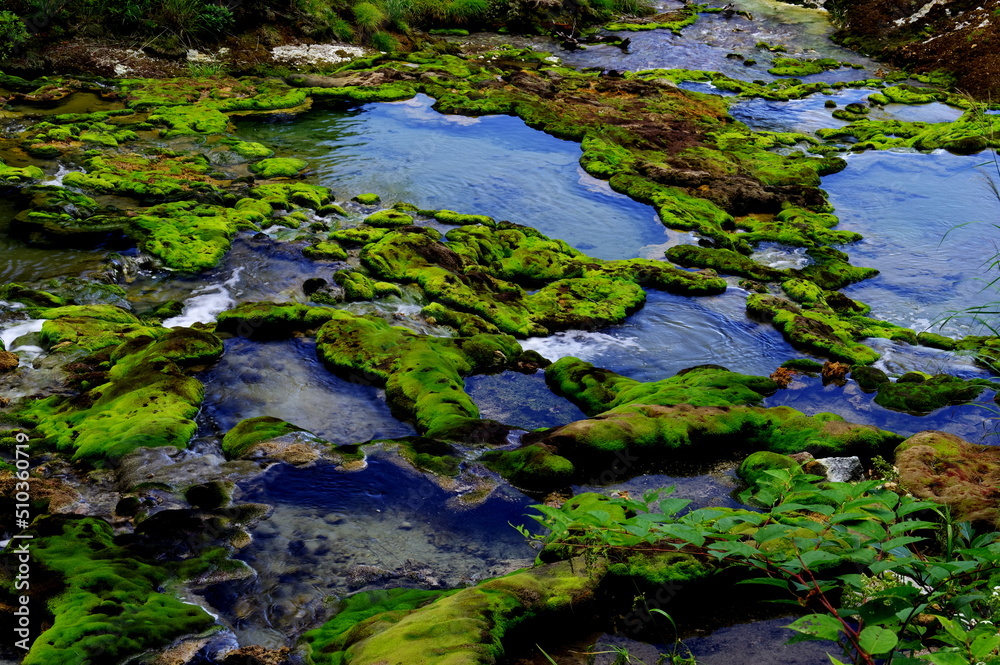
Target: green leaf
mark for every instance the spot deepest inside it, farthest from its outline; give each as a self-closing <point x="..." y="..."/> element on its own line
<point x="984" y="645"/>
<point x="771" y="532"/>
<point x="877" y="640"/>
<point x="685" y="533"/>
<point x="891" y="564"/>
<point x="947" y="658"/>
<point x="882" y="609"/>
<point x="909" y="525"/>
<point x="818" y="557"/>
<point x="912" y="506"/>
<point x="733" y="548"/>
<point x="673" y="506"/>
<point x="770" y="581"/>
<point x="817" y="627"/>
<point x="899" y="541"/>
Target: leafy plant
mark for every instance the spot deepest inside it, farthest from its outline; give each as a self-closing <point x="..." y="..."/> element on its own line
<point x="910" y="599"/>
<point x="13" y="33"/>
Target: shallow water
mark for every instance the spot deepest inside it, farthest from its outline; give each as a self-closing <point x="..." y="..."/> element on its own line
<point x="492" y="165"/>
<point x="927" y="226"/>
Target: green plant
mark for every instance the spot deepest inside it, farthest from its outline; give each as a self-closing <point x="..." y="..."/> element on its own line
<point x="383" y="41"/>
<point x="13" y="33"/>
<point x="368" y="16"/>
<point x="932" y="602"/>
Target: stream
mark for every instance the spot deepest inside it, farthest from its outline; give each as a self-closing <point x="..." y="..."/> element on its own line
<point x="926" y="221"/>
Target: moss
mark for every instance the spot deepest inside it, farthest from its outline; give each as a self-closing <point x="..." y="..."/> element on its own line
<point x="189" y="120"/>
<point x="684" y="434"/>
<point x="455" y="627"/>
<point x="466" y="324"/>
<point x="869" y="379"/>
<point x="459" y="219"/>
<point x="250" y="149"/>
<point x="436" y="457"/>
<point x="831" y="271"/>
<point x="12" y="175"/>
<point x="358" y="286"/>
<point x="969" y="134"/>
<point x="597" y="390"/>
<point x="936" y="341"/>
<point x="20" y="293"/>
<point x="951" y="471"/>
<point x="279" y="167"/>
<point x="90" y="327"/>
<point x="146" y="178"/>
<point x="803" y="365"/>
<point x="756" y="465"/>
<point x="252" y="431"/>
<point x="286" y="196"/>
<point x="423" y="375"/>
<point x="794" y="67"/>
<point x="723" y="260"/>
<point x="265" y="320"/>
<point x="190" y="236"/>
<point x="358" y="235"/>
<point x="531" y="467"/>
<point x="368" y="199"/>
<point x="331" y="209"/>
<point x="208" y="496"/>
<point x="389" y="219"/>
<point x="147" y="401"/>
<point x="325" y="250"/>
<point x="112" y="607"/>
<point x="796" y="227"/>
<point x="923" y="396"/>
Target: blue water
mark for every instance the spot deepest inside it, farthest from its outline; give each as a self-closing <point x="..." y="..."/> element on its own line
<point x="492" y="165"/>
<point x="521" y="400"/>
<point x="927" y="222"/>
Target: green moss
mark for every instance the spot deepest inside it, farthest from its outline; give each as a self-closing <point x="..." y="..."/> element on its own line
<point x="325" y="250"/>
<point x="289" y="195"/>
<point x="924" y="396"/>
<point x="466" y="324"/>
<point x="250" y="150"/>
<point x="189" y="120"/>
<point x="12" y="175"/>
<point x="112" y="607"/>
<point x="252" y="431"/>
<point x="358" y="235"/>
<point x="757" y="464"/>
<point x="795" y="67"/>
<point x="147" y="401"/>
<point x="423" y="375"/>
<point x="368" y="199"/>
<point x="596" y="390"/>
<point x="796" y="227"/>
<point x="531" y="467"/>
<point x="265" y="320"/>
<point x="190" y="236"/>
<point x="723" y="260"/>
<point x="279" y="167"/>
<point x="358" y="286"/>
<point x="389" y="219"/>
<point x="436" y="457"/>
<point x="458" y="219"/>
<point x="467" y="626"/>
<point x="869" y="379"/>
<point x="936" y="341"/>
<point x="803" y="365"/>
<point x="147" y="178"/>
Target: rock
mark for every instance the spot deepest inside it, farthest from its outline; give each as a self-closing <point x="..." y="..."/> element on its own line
<point x="8" y="361"/>
<point x="841" y="469"/>
<point x="257" y="655"/>
<point x="947" y="469"/>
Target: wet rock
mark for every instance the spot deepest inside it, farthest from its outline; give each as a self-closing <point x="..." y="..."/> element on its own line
<point x="257" y="655"/>
<point x="841" y="469"/>
<point x="947" y="469"/>
<point x="8" y="361"/>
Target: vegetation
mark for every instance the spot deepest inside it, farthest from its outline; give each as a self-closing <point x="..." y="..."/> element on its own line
<point x="889" y="578"/>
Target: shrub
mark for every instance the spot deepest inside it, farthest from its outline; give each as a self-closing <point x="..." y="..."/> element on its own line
<point x="368" y="16"/>
<point x="13" y="33"/>
<point x="383" y="41"/>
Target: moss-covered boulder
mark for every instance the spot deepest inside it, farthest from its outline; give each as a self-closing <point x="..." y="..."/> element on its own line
<point x="358" y="286"/>
<point x="111" y="606"/>
<point x="757" y="464"/>
<point x="266" y="320"/>
<point x="252" y="431"/>
<point x="279" y="167"/>
<point x="949" y="470"/>
<point x="146" y="399"/>
<point x="923" y="395"/>
<point x="423" y="375"/>
<point x="449" y="628"/>
<point x="596" y="390"/>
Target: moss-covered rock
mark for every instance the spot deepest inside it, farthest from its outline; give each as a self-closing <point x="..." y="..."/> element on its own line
<point x="596" y="390"/>
<point x="920" y="395"/>
<point x="265" y="320"/>
<point x="279" y="167"/>
<point x="467" y="626"/>
<point x="756" y="465"/>
<point x="949" y="470"/>
<point x="147" y="400"/>
<point x="388" y="219"/>
<point x="112" y="606"/>
<point x="358" y="286"/>
<point x="252" y="431"/>
<point x="325" y="250"/>
<point x="368" y="199"/>
<point x="423" y="375"/>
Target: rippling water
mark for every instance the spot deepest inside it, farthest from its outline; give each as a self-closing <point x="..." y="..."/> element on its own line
<point x="492" y="165"/>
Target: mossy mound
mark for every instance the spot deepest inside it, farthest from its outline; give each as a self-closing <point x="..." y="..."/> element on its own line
<point x="358" y="286"/>
<point x="112" y="607"/>
<point x="252" y="431"/>
<point x="279" y="167"/>
<point x="189" y="120"/>
<point x="423" y="375"/>
<point x="325" y="250"/>
<point x="437" y="457"/>
<point x="596" y="390"/>
<point x="970" y="134"/>
<point x="467" y="626"/>
<point x="795" y="67"/>
<point x="796" y="227"/>
<point x="823" y="330"/>
<point x="949" y="470"/>
<point x="480" y="270"/>
<point x="633" y="438"/>
<point x="13" y="175"/>
<point x="148" y="178"/>
<point x="756" y="465"/>
<point x="368" y="199"/>
<point x="146" y="401"/>
<point x="388" y="219"/>
<point x="919" y="395"/>
<point x="287" y="196"/>
<point x="265" y="320"/>
<point x="91" y="327"/>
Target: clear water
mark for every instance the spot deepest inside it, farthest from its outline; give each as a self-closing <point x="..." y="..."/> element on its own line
<point x="927" y="222"/>
<point x="492" y="165"/>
